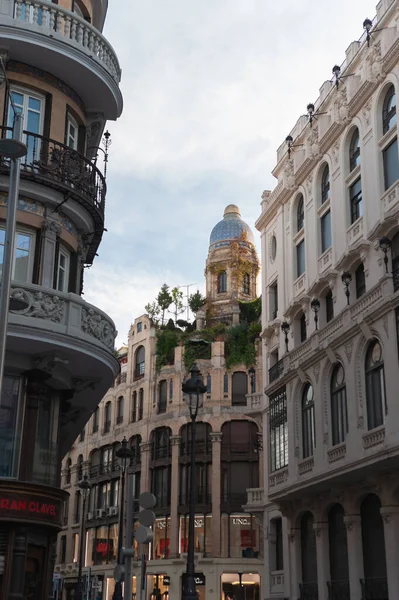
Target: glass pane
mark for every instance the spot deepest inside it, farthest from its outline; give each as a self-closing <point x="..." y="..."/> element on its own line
<point x="21" y="265"/>
<point x="33" y="124"/>
<point x="300" y="250"/>
<point x="391" y="164"/>
<point x="326" y="231"/>
<point x="34" y="104"/>
<point x="18" y="99"/>
<point x="9" y="434"/>
<point x="45" y="452"/>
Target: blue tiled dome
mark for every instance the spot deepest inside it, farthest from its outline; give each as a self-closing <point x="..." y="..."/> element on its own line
<point x="230" y="227"/>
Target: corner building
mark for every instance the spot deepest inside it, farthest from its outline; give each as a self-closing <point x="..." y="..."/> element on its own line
<point x="63" y="75"/>
<point x="147" y="407"/>
<point x="331" y="499"/>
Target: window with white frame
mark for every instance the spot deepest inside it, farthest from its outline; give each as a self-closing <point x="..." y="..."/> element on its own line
<point x="273" y="300"/>
<point x="389" y="146"/>
<point x="324" y="210"/>
<point x="278" y="430"/>
<point x="32" y="107"/>
<point x="62" y="271"/>
<point x="299" y="238"/>
<point x="23" y="255"/>
<point x="72" y="133"/>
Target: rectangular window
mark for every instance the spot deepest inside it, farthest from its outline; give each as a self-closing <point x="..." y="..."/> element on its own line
<point x="31" y="106"/>
<point x="329" y="306"/>
<point x="139" y="327"/>
<point x="134" y="407"/>
<point x="163" y="396"/>
<point x="141" y="404"/>
<point x="356" y="202"/>
<point x="325" y="231"/>
<point x="279" y="560"/>
<point x="9" y="426"/>
<point x="278" y="428"/>
<point x="360" y="281"/>
<point x="273" y="301"/>
<point x="62" y="271"/>
<point x="63" y="543"/>
<point x="391" y="163"/>
<point x="23" y="255"/>
<point x="226" y="383"/>
<point x="72" y="133"/>
<point x="75" y="547"/>
<point x="300" y="258"/>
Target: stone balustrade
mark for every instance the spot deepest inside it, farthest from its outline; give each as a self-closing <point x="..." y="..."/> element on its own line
<point x="62" y="313"/>
<point x="374" y="438"/>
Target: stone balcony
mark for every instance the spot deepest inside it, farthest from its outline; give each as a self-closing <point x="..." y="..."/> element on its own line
<point x="255" y="500"/>
<point x="255" y="403"/>
<point x="59" y="42"/>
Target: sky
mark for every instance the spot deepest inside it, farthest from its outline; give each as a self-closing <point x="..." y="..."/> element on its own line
<point x="211" y="89"/>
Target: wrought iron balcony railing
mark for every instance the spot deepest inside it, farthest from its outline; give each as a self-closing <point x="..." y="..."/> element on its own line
<point x="338" y="590"/>
<point x="276" y="370"/>
<point x="374" y="588"/>
<point x="309" y="591"/>
<point x="55" y="165"/>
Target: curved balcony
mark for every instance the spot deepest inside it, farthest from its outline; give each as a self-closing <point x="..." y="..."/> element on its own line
<point x="58" y="41"/>
<point x="57" y="166"/>
<point x="68" y="339"/>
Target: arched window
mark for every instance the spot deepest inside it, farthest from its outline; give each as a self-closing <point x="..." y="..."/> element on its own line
<point x="79" y="468"/>
<point x="120" y="408"/>
<point x="161" y="447"/>
<point x="308" y="422"/>
<point x="239" y="384"/>
<point x="390" y="150"/>
<point x="162" y="396"/>
<point x="373" y="545"/>
<point x="246" y="284"/>
<point x="96" y="419"/>
<point x="338" y="547"/>
<point x="395" y="261"/>
<point x="134" y="407"/>
<point x="300" y="214"/>
<point x="375" y="385"/>
<point x="360" y="280"/>
<point x="140" y="362"/>
<point x="325" y="184"/>
<point x="107" y="417"/>
<point x="222" y="282"/>
<point x="389" y="109"/>
<point x="339" y="413"/>
<point x="354" y="150"/>
<point x="68" y="471"/>
<point x="302" y="327"/>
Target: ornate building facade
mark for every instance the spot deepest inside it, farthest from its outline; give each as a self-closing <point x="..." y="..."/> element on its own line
<point x="146" y="405"/>
<point x="63" y="76"/>
<point x="330" y="248"/>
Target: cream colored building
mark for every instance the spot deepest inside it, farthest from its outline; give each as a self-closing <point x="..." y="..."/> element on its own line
<point x="330" y="502"/>
<point x="147" y="407"/>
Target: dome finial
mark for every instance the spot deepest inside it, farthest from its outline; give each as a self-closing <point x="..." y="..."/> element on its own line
<point x="231" y="209"/>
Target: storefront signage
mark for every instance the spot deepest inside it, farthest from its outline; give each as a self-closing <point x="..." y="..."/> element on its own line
<point x="199" y="578"/>
<point x="166" y="579"/>
<point x="20" y="506"/>
<point x="241" y="521"/>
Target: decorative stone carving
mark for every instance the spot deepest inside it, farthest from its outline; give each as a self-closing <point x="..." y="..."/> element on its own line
<point x="316" y="371"/>
<point x="40" y="305"/>
<point x="47" y="362"/>
<point x="309" y="184"/>
<point x="94" y="324"/>
<point x="341" y="106"/>
<point x="175" y="440"/>
<point x="266" y="197"/>
<point x="51" y="227"/>
<point x="366" y="114"/>
<point x="216" y="437"/>
<point x="386" y="517"/>
<point x="374" y="69"/>
<point x="289" y="176"/>
<point x="296" y="452"/>
<point x="312" y="144"/>
<point x="348" y="351"/>
<point x="335" y="153"/>
<point x="360" y="423"/>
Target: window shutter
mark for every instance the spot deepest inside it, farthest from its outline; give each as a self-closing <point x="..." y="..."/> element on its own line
<point x="82" y="140"/>
<point x="56" y="258"/>
<point x="73" y="273"/>
<point x="37" y="258"/>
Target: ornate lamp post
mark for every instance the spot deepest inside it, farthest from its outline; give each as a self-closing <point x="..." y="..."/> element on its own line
<point x="346" y="280"/>
<point x="315" y="306"/>
<point x="385" y="244"/>
<point x="193" y="390"/>
<point x="124" y="453"/>
<point x="285" y="327"/>
<point x="251" y="372"/>
<point x="84" y="486"/>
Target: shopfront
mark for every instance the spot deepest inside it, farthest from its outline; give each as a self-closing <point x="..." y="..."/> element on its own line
<point x="240" y="586"/>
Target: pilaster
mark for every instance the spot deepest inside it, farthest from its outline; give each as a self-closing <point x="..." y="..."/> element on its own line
<point x="390" y="516"/>
<point x="174" y="500"/>
<point x="145" y="483"/>
<point x="323" y="558"/>
<point x="216" y="439"/>
<point x="294" y="538"/>
<point x="50" y="231"/>
<point x="355" y="554"/>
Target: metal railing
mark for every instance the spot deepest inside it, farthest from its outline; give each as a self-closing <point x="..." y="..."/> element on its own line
<point x="395" y="277"/>
<point x="338" y="590"/>
<point x="309" y="591"/>
<point x="55" y="165"/>
<point x="276" y="370"/>
<point x="374" y="588"/>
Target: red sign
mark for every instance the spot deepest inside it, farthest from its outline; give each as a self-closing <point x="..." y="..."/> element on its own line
<point x="18" y="506"/>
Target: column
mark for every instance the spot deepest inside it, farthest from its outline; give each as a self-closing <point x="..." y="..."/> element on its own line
<point x="50" y="230"/>
<point x="390" y="516"/>
<point x="145" y="482"/>
<point x="17" y="580"/>
<point x="294" y="538"/>
<point x="355" y="554"/>
<point x="174" y="499"/>
<point x="216" y="439"/>
<point x="323" y="558"/>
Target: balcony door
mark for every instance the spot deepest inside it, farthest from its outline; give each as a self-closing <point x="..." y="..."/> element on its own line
<point x="32" y="107"/>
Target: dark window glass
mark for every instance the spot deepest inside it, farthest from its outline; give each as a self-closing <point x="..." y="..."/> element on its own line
<point x="134" y="407"/>
<point x="63" y="545"/>
<point x="136" y="450"/>
<point x="140" y="362"/>
<point x="107" y="417"/>
<point x="391" y="163"/>
<point x="308" y="422"/>
<point x="82" y="435"/>
<point x="9" y="434"/>
<point x="356" y="200"/>
<point x="170" y="389"/>
<point x="389" y="110"/>
<point x="161" y="443"/>
<point x="325" y="185"/>
<point x="279" y="556"/>
<point x="222" y="282"/>
<point x="120" y="408"/>
<point x="246" y="284"/>
<point x="354" y="150"/>
<point x="161" y="485"/>
<point x="96" y="419"/>
<point x="339" y="414"/>
<point x="360" y="280"/>
<point x="79" y="469"/>
<point x="208" y="384"/>
<point x="139" y="327"/>
<point x="163" y="396"/>
<point x="338" y="546"/>
<point x="239" y="389"/>
<point x="68" y="471"/>
<point x="395" y="261"/>
<point x="325" y="231"/>
<point x="226" y="383"/>
<point x="302" y="325"/>
<point x="300" y="258"/>
<point x="375" y="385"/>
<point x="329" y="306"/>
<point x="300" y="214"/>
<point x="273" y="301"/>
<point x="278" y="428"/>
<point x="308" y="556"/>
<point x="141" y="404"/>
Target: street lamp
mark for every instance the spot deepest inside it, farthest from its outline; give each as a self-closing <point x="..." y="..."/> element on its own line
<point x="315" y="306"/>
<point x="285" y="327"/>
<point x="346" y="280"/>
<point x="84" y="486"/>
<point x="193" y="390"/>
<point x="12" y="149"/>
<point x="125" y="454"/>
<point x="385" y="244"/>
<point x="251" y="372"/>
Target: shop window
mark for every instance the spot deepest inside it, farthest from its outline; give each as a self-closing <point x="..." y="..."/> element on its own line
<point x="239" y="389"/>
<point x="240" y="536"/>
<point x="202" y="534"/>
<point x="10" y="434"/>
<point x="45" y="459"/>
<point x="161" y="542"/>
<point x="24" y="249"/>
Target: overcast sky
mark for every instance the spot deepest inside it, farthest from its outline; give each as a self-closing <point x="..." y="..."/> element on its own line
<point x="211" y="89"/>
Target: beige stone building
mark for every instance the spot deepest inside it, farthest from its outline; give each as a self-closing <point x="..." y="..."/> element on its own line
<point x="62" y="75"/>
<point x="330" y="502"/>
<point x="146" y="406"/>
